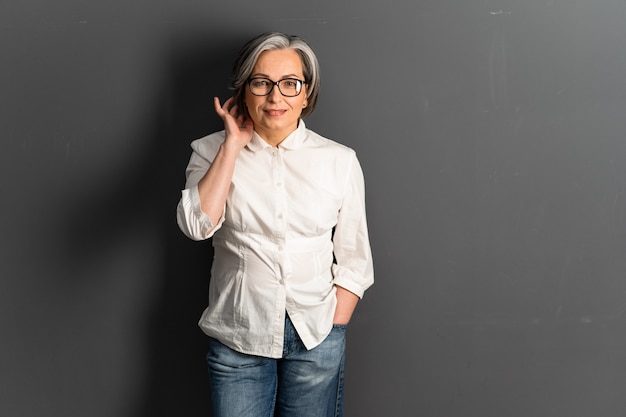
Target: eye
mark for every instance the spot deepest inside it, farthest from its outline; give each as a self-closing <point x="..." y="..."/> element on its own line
<point x="260" y="83"/>
<point x="290" y="83"/>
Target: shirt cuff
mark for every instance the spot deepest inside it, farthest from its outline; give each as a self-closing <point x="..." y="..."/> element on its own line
<point x="344" y="280"/>
<point x="193" y="222"/>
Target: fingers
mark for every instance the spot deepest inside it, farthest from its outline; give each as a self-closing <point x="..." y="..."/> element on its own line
<point x="217" y="105"/>
<point x="234" y="122"/>
<point x="228" y="108"/>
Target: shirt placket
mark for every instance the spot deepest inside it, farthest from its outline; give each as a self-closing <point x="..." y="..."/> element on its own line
<point x="282" y="264"/>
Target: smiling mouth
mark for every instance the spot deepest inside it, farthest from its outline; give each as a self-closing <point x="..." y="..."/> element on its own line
<point x="275" y="112"/>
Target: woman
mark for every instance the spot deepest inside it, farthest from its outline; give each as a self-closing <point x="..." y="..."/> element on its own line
<point x="286" y="210"/>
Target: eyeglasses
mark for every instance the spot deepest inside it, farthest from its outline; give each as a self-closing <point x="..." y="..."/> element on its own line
<point x="288" y="87"/>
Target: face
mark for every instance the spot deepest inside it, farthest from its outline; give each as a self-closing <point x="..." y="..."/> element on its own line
<point x="276" y="116"/>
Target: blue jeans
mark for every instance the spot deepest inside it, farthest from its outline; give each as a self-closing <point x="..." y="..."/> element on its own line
<point x="303" y="383"/>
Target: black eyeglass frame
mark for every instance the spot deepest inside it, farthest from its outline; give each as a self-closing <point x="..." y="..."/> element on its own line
<point x="276" y="84"/>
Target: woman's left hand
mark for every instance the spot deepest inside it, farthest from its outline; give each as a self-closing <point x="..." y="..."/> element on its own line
<point x="346" y="303"/>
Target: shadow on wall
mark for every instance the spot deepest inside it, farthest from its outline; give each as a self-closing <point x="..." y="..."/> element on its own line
<point x="177" y="381"/>
<point x="173" y="348"/>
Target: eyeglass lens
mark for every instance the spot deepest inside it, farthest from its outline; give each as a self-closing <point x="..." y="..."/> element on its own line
<point x="288" y="87"/>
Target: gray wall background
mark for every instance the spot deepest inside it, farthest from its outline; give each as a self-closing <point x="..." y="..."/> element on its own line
<point x="492" y="135"/>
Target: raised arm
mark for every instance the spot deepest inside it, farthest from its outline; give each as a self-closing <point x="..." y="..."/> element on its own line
<point x="201" y="207"/>
<point x="213" y="187"/>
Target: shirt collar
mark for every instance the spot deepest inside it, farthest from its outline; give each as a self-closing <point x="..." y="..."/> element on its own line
<point x="294" y="141"/>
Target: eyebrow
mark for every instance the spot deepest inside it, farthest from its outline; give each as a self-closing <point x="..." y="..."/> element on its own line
<point x="282" y="78"/>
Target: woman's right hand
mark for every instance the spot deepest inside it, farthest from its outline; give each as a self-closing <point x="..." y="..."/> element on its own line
<point x="238" y="127"/>
<point x="214" y="186"/>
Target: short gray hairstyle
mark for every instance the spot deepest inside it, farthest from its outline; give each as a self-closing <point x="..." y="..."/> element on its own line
<point x="270" y="41"/>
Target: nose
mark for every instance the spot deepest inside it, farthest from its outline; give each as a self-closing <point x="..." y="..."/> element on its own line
<point x="275" y="94"/>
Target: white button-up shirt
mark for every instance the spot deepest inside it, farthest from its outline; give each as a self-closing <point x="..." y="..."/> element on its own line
<point x="293" y="227"/>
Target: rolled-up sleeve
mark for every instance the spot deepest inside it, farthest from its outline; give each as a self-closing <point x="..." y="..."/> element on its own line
<point x="192" y="221"/>
<point x="354" y="268"/>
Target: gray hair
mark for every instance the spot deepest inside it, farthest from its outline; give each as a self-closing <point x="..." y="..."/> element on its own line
<point x="249" y="54"/>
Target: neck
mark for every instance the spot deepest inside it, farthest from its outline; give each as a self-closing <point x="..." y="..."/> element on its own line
<point x="275" y="137"/>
